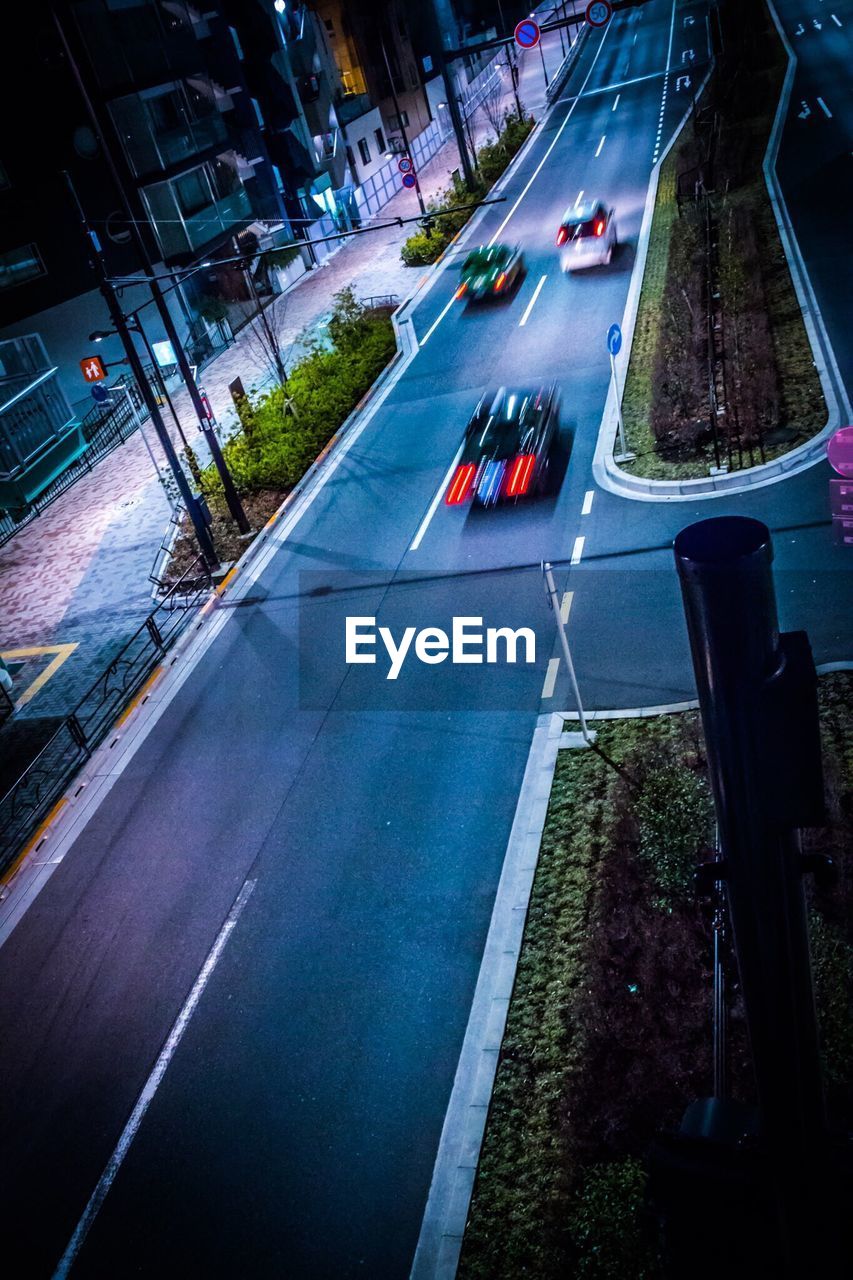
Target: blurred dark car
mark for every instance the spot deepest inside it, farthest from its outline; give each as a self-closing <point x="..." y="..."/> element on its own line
<point x="491" y="271"/>
<point x="510" y="445"/>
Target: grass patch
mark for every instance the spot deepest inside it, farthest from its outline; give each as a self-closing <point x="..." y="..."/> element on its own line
<point x="775" y="399"/>
<point x="609" y="1029"/>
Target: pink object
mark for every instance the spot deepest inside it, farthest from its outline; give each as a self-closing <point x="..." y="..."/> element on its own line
<point x="839" y="451"/>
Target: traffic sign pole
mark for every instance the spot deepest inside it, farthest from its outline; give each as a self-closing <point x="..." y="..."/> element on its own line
<point x="623" y="455"/>
<point x="399" y="115"/>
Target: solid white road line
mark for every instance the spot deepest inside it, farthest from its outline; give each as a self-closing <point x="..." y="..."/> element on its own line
<point x="529" y="306"/>
<point x="534" y="175"/>
<point x="587" y="502"/>
<point x="153" y="1082"/>
<point x="438" y="320"/>
<point x="566" y="605"/>
<point x="418" y="538"/>
<point x="577" y="549"/>
<point x="550" y="677"/>
<point x="616" y="102"/>
<point x="600" y="145"/>
<point x="824" y="108"/>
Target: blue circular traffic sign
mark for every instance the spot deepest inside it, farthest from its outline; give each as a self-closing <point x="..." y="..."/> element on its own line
<point x="527" y="34"/>
<point x="614" y="339"/>
<point x="599" y="13"/>
<point x="409" y="180"/>
<point x="100" y="393"/>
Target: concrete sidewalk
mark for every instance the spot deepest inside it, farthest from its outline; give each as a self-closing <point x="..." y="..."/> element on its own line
<point x="74" y="583"/>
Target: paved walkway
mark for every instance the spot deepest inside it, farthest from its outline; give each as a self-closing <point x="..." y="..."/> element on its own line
<point x="74" y="583"/>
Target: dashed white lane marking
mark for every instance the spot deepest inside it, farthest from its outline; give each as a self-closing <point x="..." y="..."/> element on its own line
<point x="665" y="87"/>
<point x="600" y="145"/>
<point x="554" y="140"/>
<point x="153" y="1082"/>
<point x="418" y="538"/>
<point x="587" y="502"/>
<point x="438" y="320"/>
<point x="566" y="605"/>
<point x="616" y="102"/>
<point x="550" y="677"/>
<point x="531" y="303"/>
<point x="580" y="197"/>
<point x="824" y="108"/>
<point x="577" y="549"/>
<point x="837" y="22"/>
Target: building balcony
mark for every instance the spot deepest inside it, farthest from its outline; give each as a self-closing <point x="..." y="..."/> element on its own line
<point x="39" y="435"/>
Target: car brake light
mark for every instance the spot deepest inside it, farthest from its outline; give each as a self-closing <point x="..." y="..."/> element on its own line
<point x="460" y="486"/>
<point x="599" y="228"/>
<point x="562" y="235"/>
<point x="501" y="280"/>
<point x="462" y="289"/>
<point x="520" y="475"/>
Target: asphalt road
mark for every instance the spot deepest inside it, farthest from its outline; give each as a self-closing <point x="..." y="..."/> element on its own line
<point x="294" y="1131"/>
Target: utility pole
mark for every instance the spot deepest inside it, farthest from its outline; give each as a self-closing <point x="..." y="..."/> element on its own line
<point x="231" y="496"/>
<point x="403" y="133"/>
<point x="450" y="95"/>
<point x="121" y="327"/>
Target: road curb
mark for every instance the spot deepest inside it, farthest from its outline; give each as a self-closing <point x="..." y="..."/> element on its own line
<point x="608" y="475"/>
<point x="446" y="1213"/>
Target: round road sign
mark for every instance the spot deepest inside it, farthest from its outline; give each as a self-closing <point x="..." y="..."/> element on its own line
<point x="405" y="165"/>
<point x="409" y="180"/>
<point x="100" y="393"/>
<point x="839" y="451"/>
<point x="527" y="34"/>
<point x="599" y="13"/>
<point x="614" y="339"/>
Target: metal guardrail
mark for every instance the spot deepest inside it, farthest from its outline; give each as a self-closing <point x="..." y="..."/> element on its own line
<point x="41" y="784"/>
<point x="561" y="75"/>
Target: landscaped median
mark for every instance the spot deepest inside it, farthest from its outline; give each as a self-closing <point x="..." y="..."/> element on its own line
<point x="608" y="1035"/>
<point x="283" y="431"/>
<point x="721" y="372"/>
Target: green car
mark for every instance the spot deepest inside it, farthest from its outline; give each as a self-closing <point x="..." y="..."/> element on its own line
<point x="491" y="271"/>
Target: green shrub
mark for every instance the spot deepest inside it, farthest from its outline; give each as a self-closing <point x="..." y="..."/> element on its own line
<point x="832" y="966"/>
<point x="421" y="249"/>
<point x="607" y="1224"/>
<point x="674" y="814"/>
<point x="286" y="428"/>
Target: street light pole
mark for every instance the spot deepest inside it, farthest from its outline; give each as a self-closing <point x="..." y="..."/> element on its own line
<point x="121" y="327"/>
<point x="231" y="496"/>
<point x="403" y="133"/>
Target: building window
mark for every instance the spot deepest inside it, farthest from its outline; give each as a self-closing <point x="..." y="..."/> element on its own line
<point x="17" y="266"/>
<point x="364" y="150"/>
<point x="330" y="27"/>
<point x="380" y="140"/>
<point x="259" y="115"/>
<point x="350" y="159"/>
<point x="401" y="121"/>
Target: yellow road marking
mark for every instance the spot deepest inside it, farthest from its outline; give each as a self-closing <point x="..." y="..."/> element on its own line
<point x="60" y="652"/>
<point x="33" y="841"/>
<point x="224" y="583"/>
<point x="140" y="697"/>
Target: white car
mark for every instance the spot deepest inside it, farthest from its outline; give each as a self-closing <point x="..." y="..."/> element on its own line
<point x="587" y="236"/>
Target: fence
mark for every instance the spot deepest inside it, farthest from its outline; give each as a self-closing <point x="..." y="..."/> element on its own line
<point x="28" y="800"/>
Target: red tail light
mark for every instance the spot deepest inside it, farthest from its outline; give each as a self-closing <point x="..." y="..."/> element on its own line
<point x="599" y="228"/>
<point x="520" y="475"/>
<point x="562" y="235"/>
<point x="460" y="486"/>
<point x="462" y="289"/>
<point x="501" y="280"/>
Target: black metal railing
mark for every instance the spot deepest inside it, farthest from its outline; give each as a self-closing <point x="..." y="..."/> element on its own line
<point x="41" y="784"/>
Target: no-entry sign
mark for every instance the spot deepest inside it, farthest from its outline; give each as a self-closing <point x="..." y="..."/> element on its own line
<point x="527" y="34"/>
<point x="599" y="13"/>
